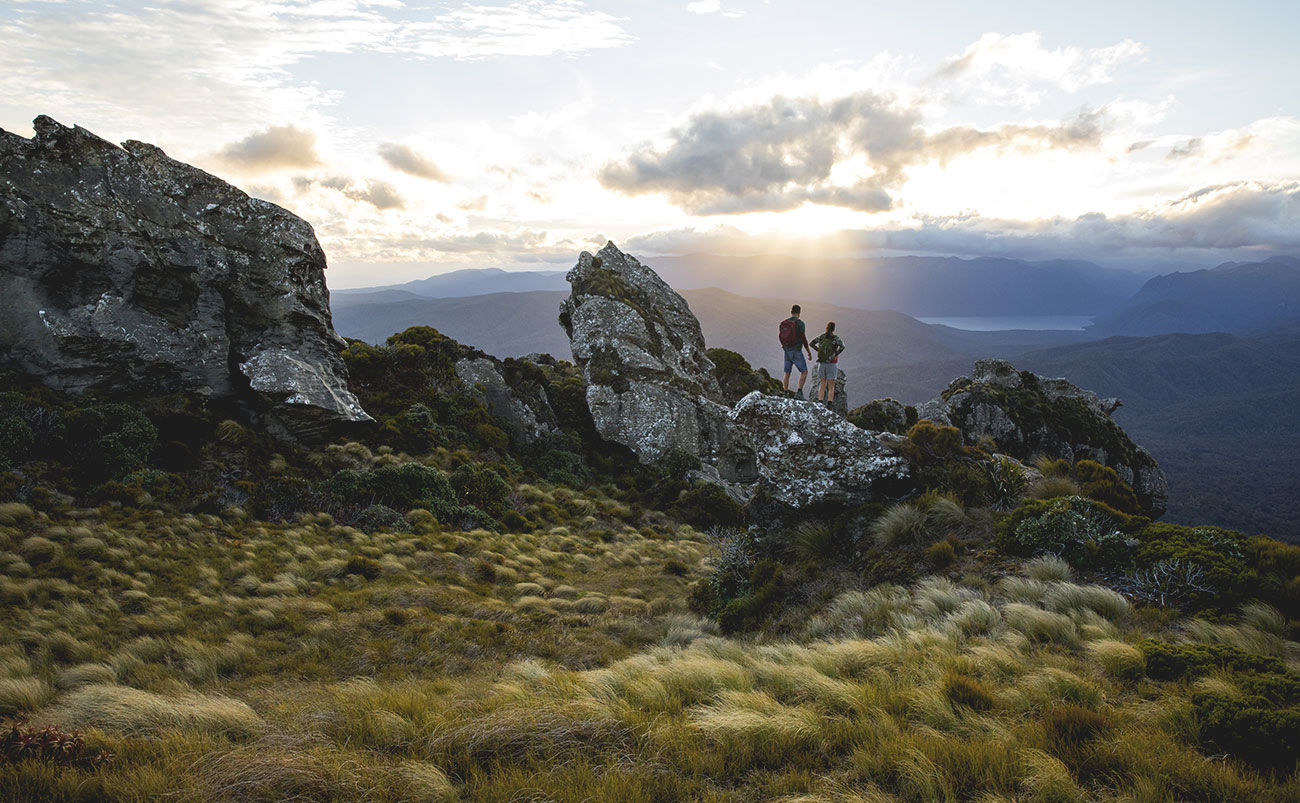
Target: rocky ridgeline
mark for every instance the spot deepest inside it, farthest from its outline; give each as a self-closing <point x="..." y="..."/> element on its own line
<point x="650" y="387"/>
<point x="1025" y="415"/>
<point x="123" y="269"/>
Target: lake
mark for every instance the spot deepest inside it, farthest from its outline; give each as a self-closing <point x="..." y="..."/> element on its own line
<point x="992" y="323"/>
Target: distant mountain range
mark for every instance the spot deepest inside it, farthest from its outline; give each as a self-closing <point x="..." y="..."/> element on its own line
<point x="460" y="283"/>
<point x="1233" y="297"/>
<point x="920" y="286"/>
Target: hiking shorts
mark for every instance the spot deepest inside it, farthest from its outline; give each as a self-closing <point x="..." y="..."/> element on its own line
<point x="828" y="370"/>
<point x="795" y="357"/>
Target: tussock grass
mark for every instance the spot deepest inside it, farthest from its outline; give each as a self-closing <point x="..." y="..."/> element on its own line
<point x="23" y="695"/>
<point x="135" y="712"/>
<point x="1120" y="660"/>
<point x="269" y="661"/>
<point x="1048" y="569"/>
<point x="1071" y="599"/>
<point x="1051" y="488"/>
<point x="903" y="523"/>
<point x="1041" y="625"/>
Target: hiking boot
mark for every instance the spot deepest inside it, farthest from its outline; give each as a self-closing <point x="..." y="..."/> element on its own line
<point x="798" y="394"/>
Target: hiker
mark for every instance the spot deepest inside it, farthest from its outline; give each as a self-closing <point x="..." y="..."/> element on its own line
<point x="792" y="340"/>
<point x="829" y="346"/>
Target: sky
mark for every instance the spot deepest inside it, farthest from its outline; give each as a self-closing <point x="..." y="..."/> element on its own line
<point x="419" y="138"/>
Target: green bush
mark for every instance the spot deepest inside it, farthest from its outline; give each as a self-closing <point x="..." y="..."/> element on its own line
<point x="16" y="441"/>
<point x="408" y="485"/>
<point x="941" y="462"/>
<point x="1167" y="661"/>
<point x="482" y="488"/>
<point x="1217" y="555"/>
<point x="1103" y="484"/>
<point x="1261" y="726"/>
<point x="382" y="517"/>
<point x="941" y="554"/>
<point x="764" y="593"/>
<point x="1083" y="531"/>
<point x="109" y="441"/>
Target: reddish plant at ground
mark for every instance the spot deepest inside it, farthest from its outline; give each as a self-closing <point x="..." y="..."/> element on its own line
<point x="49" y="745"/>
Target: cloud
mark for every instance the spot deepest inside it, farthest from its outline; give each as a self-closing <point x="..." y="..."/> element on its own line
<point x="786" y="152"/>
<point x="223" y="62"/>
<point x="409" y="161"/>
<point x="276" y="147"/>
<point x="1240" y="220"/>
<point x="379" y="194"/>
<point x="529" y="28"/>
<point x="704" y="7"/>
<point x="1017" y="68"/>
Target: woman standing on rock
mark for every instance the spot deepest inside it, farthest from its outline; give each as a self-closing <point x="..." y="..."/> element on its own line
<point x="828" y="346"/>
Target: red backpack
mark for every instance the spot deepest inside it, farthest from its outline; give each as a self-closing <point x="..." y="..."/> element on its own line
<point x="789" y="333"/>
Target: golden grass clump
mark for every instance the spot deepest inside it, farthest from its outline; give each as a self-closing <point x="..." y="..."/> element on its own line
<point x="1119" y="660"/>
<point x="1047" y="569"/>
<point x="902" y="523"/>
<point x="135" y="712"/>
<point x="1041" y="625"/>
<point x="23" y="695"/>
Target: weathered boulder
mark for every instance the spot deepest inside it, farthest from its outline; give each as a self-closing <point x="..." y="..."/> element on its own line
<point x="650" y="384"/>
<point x="522" y="404"/>
<point x="652" y="388"/>
<point x="807" y="454"/>
<point x="1025" y="415"/>
<point x="123" y="268"/>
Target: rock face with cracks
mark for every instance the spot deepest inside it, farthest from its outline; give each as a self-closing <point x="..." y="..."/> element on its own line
<point x="1026" y="415"/>
<point x="123" y="268"/>
<point x="651" y="387"/>
<point x="810" y="455"/>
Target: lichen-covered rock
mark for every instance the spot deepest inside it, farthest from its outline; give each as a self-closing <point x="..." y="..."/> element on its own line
<point x="807" y="454"/>
<point x="522" y="405"/>
<point x="1025" y="415"/>
<point x="652" y="388"/>
<point x="650" y="384"/>
<point x="121" y="268"/>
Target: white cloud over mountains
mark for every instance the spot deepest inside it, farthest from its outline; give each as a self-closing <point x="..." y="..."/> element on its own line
<point x="790" y="151"/>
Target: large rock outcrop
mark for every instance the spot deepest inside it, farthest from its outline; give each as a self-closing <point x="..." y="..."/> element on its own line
<point x="652" y="388"/>
<point x="123" y="268"/>
<point x="650" y="385"/>
<point x="1025" y="415"/>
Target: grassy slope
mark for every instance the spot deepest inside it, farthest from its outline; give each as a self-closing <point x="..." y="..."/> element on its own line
<point x="237" y="660"/>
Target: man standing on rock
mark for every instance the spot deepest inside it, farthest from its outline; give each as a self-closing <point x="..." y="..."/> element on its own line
<point x="793" y="339"/>
<point x="829" y="346"/>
